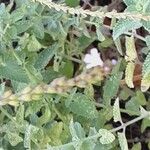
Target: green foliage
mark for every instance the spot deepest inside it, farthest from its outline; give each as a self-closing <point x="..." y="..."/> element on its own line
<point x="47" y="99"/>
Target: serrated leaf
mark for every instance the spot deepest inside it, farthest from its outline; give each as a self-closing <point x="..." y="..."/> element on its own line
<point x="118" y="45"/>
<point x="129" y="74"/>
<point x="81" y="105"/>
<point x="45" y="56"/>
<point x="116" y="111"/>
<point x="11" y="70"/>
<point x="106" y="136"/>
<point x="122" y="141"/>
<point x="145" y="84"/>
<point x="111" y="87"/>
<point x="123" y="26"/>
<point x="131" y="53"/>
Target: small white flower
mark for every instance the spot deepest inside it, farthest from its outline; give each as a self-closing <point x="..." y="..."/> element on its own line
<point x="93" y="59"/>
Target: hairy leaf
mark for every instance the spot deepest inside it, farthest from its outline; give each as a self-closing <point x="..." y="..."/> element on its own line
<point x="106" y="136"/>
<point x="123" y="26"/>
<point x="129" y="74"/>
<point x="81" y="105"/>
<point x="111" y="87"/>
<point x="122" y="141"/>
<point x="116" y="111"/>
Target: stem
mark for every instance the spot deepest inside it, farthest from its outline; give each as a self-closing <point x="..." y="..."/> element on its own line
<point x="123" y="126"/>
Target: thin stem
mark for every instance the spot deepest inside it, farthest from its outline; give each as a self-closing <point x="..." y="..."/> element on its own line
<point x="113" y="130"/>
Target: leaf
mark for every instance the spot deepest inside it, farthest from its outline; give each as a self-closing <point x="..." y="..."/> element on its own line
<point x="129" y="73"/>
<point x="66" y="69"/>
<point x="146" y="25"/>
<point x="118" y="45"/>
<point x="20" y="114"/>
<point x="77" y="132"/>
<point x="23" y="26"/>
<point x="145" y="84"/>
<point x="33" y="44"/>
<point x="123" y="26"/>
<point x="131" y="53"/>
<point x="133" y="105"/>
<point x="2" y="88"/>
<point x="45" y="56"/>
<point x="106" y="136"/>
<point x="137" y="146"/>
<point x="148" y="41"/>
<point x="81" y="105"/>
<point x="87" y="145"/>
<point x="145" y="124"/>
<point x="45" y="116"/>
<point x="122" y="141"/>
<point x="28" y="137"/>
<point x="129" y="2"/>
<point x="13" y="138"/>
<point x="72" y="3"/>
<point x="100" y="36"/>
<point x="116" y="111"/>
<point x="111" y="87"/>
<point x="11" y="70"/>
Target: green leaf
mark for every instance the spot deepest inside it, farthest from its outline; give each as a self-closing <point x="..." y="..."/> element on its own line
<point x="66" y="69"/>
<point x="129" y="2"/>
<point x="123" y="26"/>
<point x="106" y="136"/>
<point x="129" y="74"/>
<point x="111" y="87"/>
<point x="146" y="25"/>
<point x="77" y="132"/>
<point x="137" y="146"/>
<point x="34" y="44"/>
<point x="148" y="41"/>
<point x="118" y="45"/>
<point x="72" y="3"/>
<point x="116" y="111"/>
<point x="45" y="56"/>
<point x="13" y="138"/>
<point x="11" y="70"/>
<point x="145" y="124"/>
<point x="17" y="14"/>
<point x="45" y="116"/>
<point x="133" y="105"/>
<point x="20" y="114"/>
<point x="28" y="137"/>
<point x="131" y="53"/>
<point x="145" y="84"/>
<point x="81" y="105"/>
<point x="23" y="26"/>
<point x="122" y="141"/>
<point x="87" y="145"/>
<point x="2" y="88"/>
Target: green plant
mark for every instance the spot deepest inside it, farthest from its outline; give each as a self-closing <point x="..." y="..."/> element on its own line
<point x="48" y="98"/>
